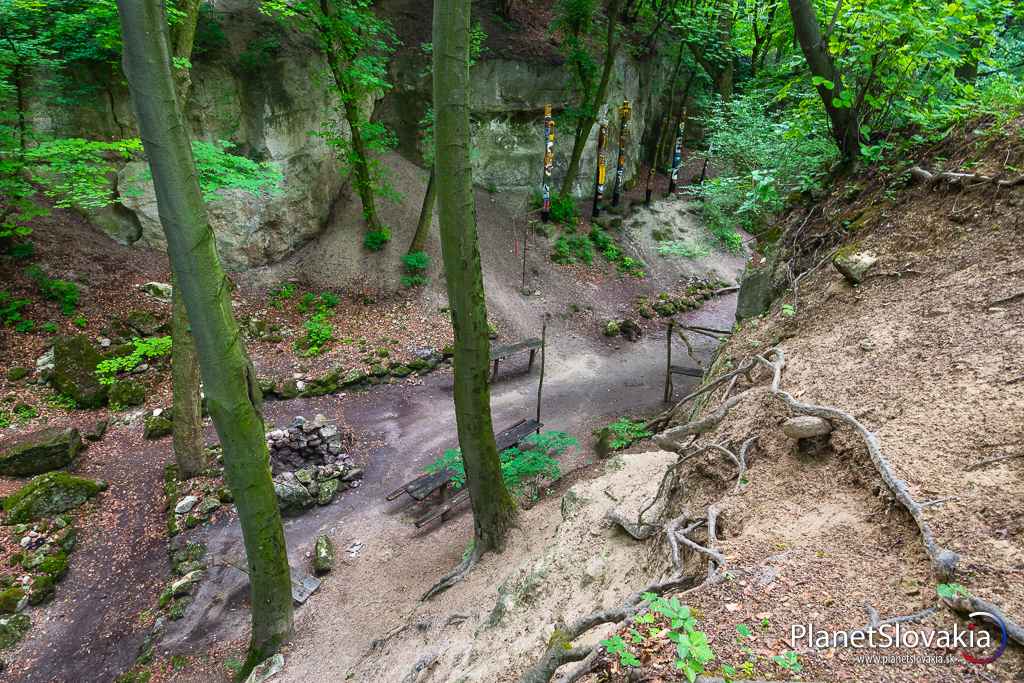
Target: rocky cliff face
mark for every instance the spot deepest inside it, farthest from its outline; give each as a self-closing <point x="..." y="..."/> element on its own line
<point x="263" y="89"/>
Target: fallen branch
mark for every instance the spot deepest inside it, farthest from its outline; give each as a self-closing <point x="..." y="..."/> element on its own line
<point x="989" y="461"/>
<point x="961" y="179"/>
<point x="874" y="621"/>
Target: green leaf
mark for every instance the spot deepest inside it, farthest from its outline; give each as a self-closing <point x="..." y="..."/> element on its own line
<point x="827" y="84"/>
<point x="744" y="630"/>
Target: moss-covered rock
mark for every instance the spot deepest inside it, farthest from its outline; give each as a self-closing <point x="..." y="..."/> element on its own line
<point x="42" y="589"/>
<point x="74" y="371"/>
<point x="13" y="629"/>
<point x="378" y="370"/>
<point x="401" y="371"/>
<point x="352" y="377"/>
<point x="156" y="427"/>
<point x="325" y="494"/>
<point x="41" y="451"/>
<point x="49" y="494"/>
<point x="55" y="565"/>
<point x="126" y="392"/>
<point x="323" y="555"/>
<point x="9" y="600"/>
<point x="143" y="322"/>
<point x="289" y="389"/>
<point x="17" y="373"/>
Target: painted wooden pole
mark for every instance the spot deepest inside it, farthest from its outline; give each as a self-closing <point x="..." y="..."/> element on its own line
<point x="549" y="162"/>
<point x="543" y="347"/>
<point x="677" y="157"/>
<point x="668" y="362"/>
<point x="602" y="168"/>
<point x="625" y="112"/>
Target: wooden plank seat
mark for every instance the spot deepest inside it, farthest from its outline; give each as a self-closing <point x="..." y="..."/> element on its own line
<point x="421" y="487"/>
<point x="499" y="353"/>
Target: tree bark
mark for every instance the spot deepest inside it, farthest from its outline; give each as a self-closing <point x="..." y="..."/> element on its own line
<point x="587" y="123"/>
<point x="187" y="429"/>
<point x="845" y="129"/>
<point x="231" y="387"/>
<point x="419" y="240"/>
<point x="493" y="506"/>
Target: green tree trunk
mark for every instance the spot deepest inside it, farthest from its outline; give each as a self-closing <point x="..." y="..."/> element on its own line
<point x="493" y="506"/>
<point x="845" y="128"/>
<point x="587" y="123"/>
<point x="419" y="240"/>
<point x="187" y="429"/>
<point x="231" y="387"/>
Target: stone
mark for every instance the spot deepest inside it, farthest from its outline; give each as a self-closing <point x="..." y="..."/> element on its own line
<point x="74" y="371"/>
<point x="292" y="496"/>
<point x="401" y="371"/>
<point x="49" y="494"/>
<point x="304" y="476"/>
<point x="806" y="426"/>
<point x="10" y="599"/>
<point x="161" y="291"/>
<point x="156" y="427"/>
<point x="40" y="451"/>
<point x="328" y="489"/>
<point x="323" y="555"/>
<point x="757" y="290"/>
<point x="18" y="373"/>
<point x="353" y="474"/>
<point x="854" y="265"/>
<point x="266" y="669"/>
<point x="183" y="586"/>
<point x="126" y="392"/>
<point x="45" y="361"/>
<point x="303" y="586"/>
<point x="143" y="322"/>
<point x="354" y="376"/>
<point x="289" y="389"/>
<point x="13" y="629"/>
<point x="185" y="505"/>
<point x="96" y="432"/>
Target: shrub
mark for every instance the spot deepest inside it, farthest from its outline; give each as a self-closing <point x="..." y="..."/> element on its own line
<point x="519" y="466"/>
<point x="319" y="332"/>
<point x="573" y="248"/>
<point x="151" y="347"/>
<point x="280" y="294"/>
<point x="563" y="209"/>
<point x="10" y="310"/>
<point x="375" y="240"/>
<point x="415" y="264"/>
<point x="625" y="431"/>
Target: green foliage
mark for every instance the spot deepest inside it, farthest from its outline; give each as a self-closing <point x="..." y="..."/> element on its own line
<point x="63" y="292"/>
<point x="519" y="466"/>
<point x="573" y="248"/>
<point x="281" y="293"/>
<point x="625" y="431"/>
<point x="144" y="349"/>
<point x="683" y="248"/>
<point x="318" y="329"/>
<point x="951" y="591"/>
<point x="220" y="170"/>
<point x="259" y="53"/>
<point x="375" y="240"/>
<point x="62" y="401"/>
<point x="563" y="209"/>
<point x="789" y="660"/>
<point x="24" y="412"/>
<point x="416" y="264"/>
<point x="10" y="310"/>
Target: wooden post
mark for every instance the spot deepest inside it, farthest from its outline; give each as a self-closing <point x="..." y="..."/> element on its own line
<point x="668" y="362"/>
<point x="526" y="239"/>
<point x="540" y="384"/>
<point x="620" y="164"/>
<point x="602" y="141"/>
<point x="549" y="164"/>
<point x="677" y="157"/>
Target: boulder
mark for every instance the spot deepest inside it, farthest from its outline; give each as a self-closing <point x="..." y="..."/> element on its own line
<point x="10" y="599"/>
<point x="41" y="451"/>
<point x="353" y="377"/>
<point x="126" y="392"/>
<point x="853" y="265"/>
<point x="160" y="291"/>
<point x="74" y="371"/>
<point x="143" y="322"/>
<point x="328" y="488"/>
<point x="49" y="494"/>
<point x="806" y="426"/>
<point x="292" y="496"/>
<point x="156" y="427"/>
<point x="323" y="555"/>
<point x="266" y="669"/>
<point x="756" y="293"/>
<point x="183" y="586"/>
<point x="96" y="432"/>
<point x="185" y="505"/>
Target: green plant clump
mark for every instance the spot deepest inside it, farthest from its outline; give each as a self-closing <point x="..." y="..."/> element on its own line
<point x="625" y="431"/>
<point x="416" y="264"/>
<point x="151" y="347"/>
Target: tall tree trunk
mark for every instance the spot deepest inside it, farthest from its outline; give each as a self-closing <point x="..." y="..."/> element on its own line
<point x="587" y="123"/>
<point x="845" y="129"/>
<point x="232" y="391"/>
<point x="361" y="165"/>
<point x="187" y="429"/>
<point x="493" y="506"/>
<point x="419" y="240"/>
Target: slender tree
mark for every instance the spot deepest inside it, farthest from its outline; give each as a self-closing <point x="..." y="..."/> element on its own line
<point x="493" y="506"/>
<point x="187" y="429"/>
<point x="593" y="99"/>
<point x="828" y="80"/>
<point x="232" y="390"/>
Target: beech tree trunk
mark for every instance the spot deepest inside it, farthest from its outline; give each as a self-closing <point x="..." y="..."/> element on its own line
<point x="231" y="387"/>
<point x="845" y="129"/>
<point x="186" y="386"/>
<point x="584" y="127"/>
<point x="493" y="506"/>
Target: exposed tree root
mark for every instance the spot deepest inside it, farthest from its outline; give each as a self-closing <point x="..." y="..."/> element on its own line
<point x="671" y="439"/>
<point x="943" y="561"/>
<point x="875" y="621"/>
<point x="989" y="461"/>
<point x="454" y="576"/>
<point x="965" y="605"/>
<point x="962" y="179"/>
<point x="661" y="420"/>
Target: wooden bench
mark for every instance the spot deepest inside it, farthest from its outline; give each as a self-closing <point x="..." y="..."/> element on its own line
<point x="689" y="372"/>
<point x="499" y="353"/>
<point x="421" y="487"/>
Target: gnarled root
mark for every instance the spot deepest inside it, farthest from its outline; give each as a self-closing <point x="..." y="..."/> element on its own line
<point x="454" y="576"/>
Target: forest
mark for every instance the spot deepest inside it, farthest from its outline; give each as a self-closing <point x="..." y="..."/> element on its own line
<point x="511" y="340"/>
